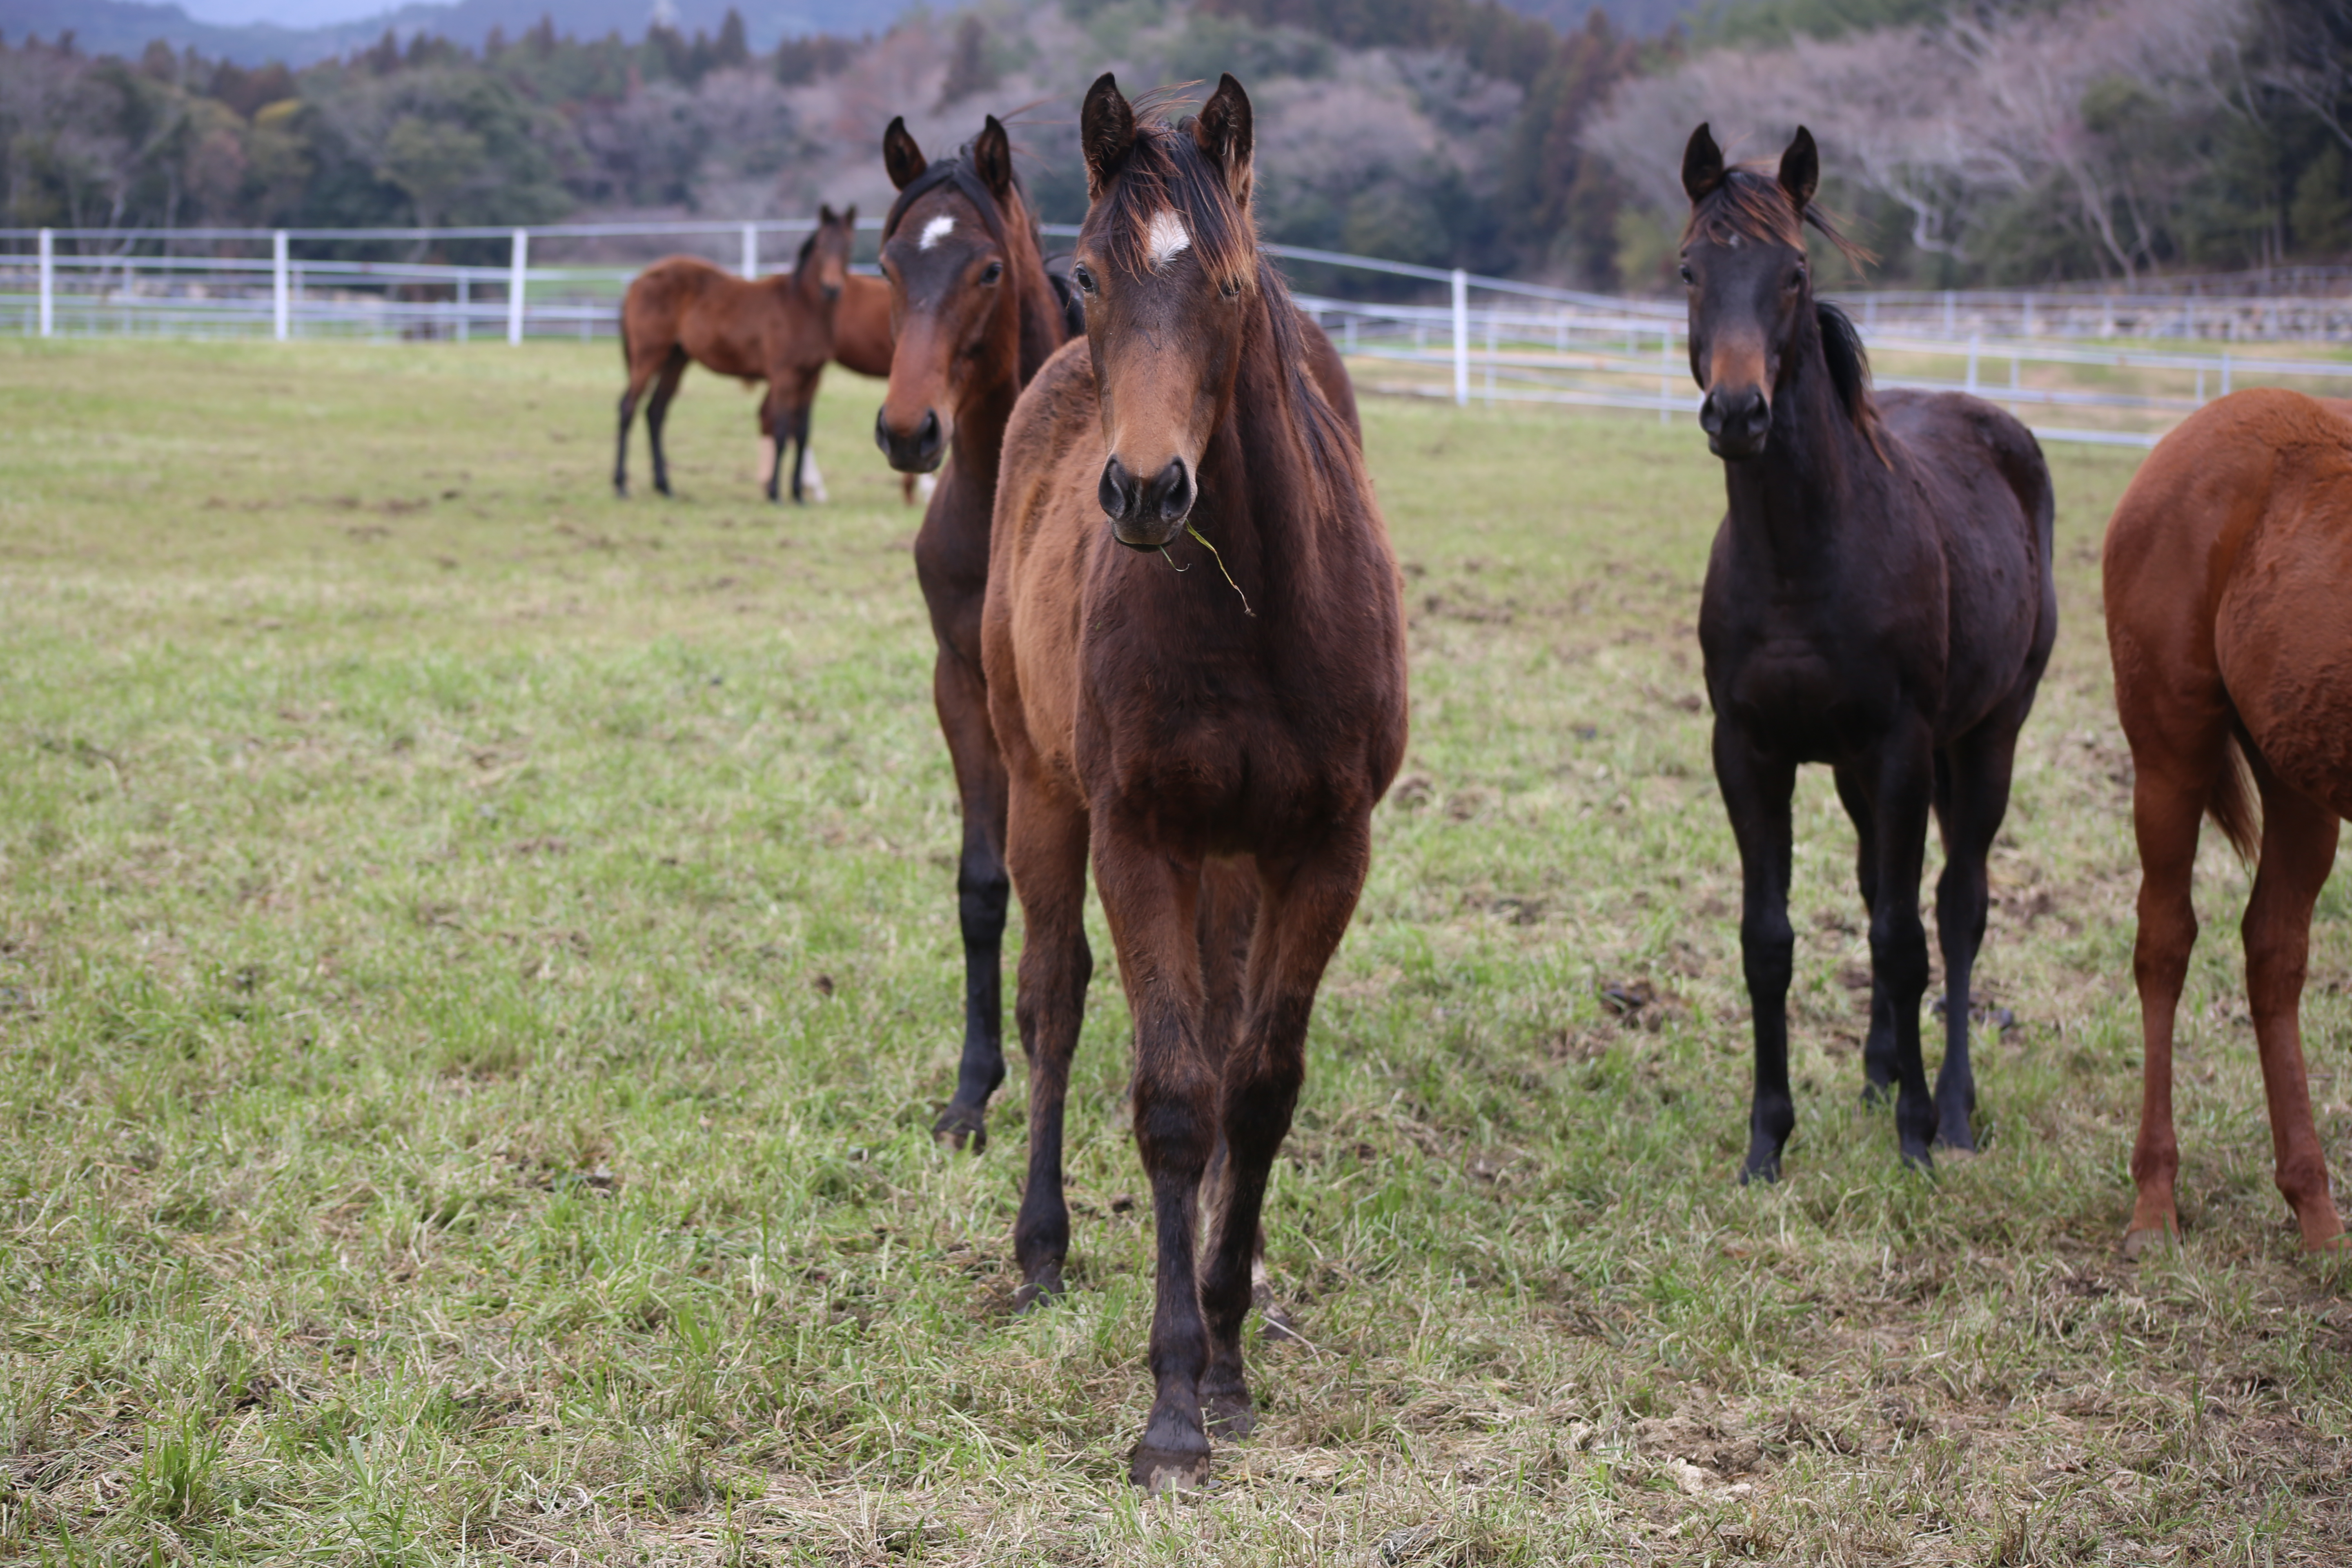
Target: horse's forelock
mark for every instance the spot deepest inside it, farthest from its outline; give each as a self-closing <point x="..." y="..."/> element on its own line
<point x="957" y="172"/>
<point x="1165" y="172"/>
<point x="1751" y="203"/>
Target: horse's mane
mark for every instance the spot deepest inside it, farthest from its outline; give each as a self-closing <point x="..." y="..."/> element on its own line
<point x="1849" y="364"/>
<point x="808" y="249"/>
<point x="1165" y="169"/>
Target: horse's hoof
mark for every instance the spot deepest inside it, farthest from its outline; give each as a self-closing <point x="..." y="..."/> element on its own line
<point x="1275" y="1325"/>
<point x="1957" y="1137"/>
<point x="2138" y="1244"/>
<point x="1172" y="1455"/>
<point x="2336" y="1246"/>
<point x="960" y="1126"/>
<point x="1039" y="1290"/>
<point x="1920" y="1159"/>
<point x="1878" y="1096"/>
<point x="1229" y="1413"/>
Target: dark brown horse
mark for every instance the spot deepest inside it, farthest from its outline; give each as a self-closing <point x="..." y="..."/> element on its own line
<point x="1194" y="644"/>
<point x="1879" y="598"/>
<point x="2229" y="600"/>
<point x="778" y="329"/>
<point x="972" y="317"/>
<point x="862" y="341"/>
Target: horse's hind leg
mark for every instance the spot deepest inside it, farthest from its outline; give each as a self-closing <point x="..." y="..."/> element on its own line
<point x="658" y="413"/>
<point x="1878" y="1045"/>
<point x="2298" y="851"/>
<point x="2168" y="790"/>
<point x="1302" y="917"/>
<point x="1046" y="845"/>
<point x="1972" y="798"/>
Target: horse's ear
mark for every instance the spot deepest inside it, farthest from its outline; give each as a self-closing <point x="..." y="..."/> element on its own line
<point x="1223" y="132"/>
<point x="992" y="159"/>
<point x="900" y="156"/>
<point x="1106" y="132"/>
<point x="1800" y="169"/>
<point x="849" y="217"/>
<point x="1702" y="165"/>
<point x="825" y="218"/>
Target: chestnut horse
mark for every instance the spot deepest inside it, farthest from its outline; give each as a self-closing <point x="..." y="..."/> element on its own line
<point x="1205" y="693"/>
<point x="2228" y="578"/>
<point x="779" y="329"/>
<point x="1880" y="597"/>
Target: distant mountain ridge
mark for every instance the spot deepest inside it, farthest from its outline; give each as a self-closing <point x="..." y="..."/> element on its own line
<point x="126" y="27"/>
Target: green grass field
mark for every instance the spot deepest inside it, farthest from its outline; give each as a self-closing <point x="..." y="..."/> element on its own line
<point x="478" y="966"/>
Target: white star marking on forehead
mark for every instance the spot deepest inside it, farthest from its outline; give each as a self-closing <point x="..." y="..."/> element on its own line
<point x="1167" y="237"/>
<point x="938" y="229"/>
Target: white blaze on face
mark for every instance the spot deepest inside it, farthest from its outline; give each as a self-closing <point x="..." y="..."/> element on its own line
<point x="1166" y="238"/>
<point x="938" y="229"/>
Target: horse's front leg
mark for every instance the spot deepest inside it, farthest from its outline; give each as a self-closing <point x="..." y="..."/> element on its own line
<point x="1902" y="769"/>
<point x="1757" y="787"/>
<point x="1150" y="897"/>
<point x="961" y="694"/>
<point x="1046" y="846"/>
<point x="1303" y="913"/>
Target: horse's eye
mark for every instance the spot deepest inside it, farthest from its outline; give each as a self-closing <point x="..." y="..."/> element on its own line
<point x="1797" y="280"/>
<point x="1686" y="273"/>
<point x="996" y="270"/>
<point x="1230" y="288"/>
<point x="1083" y="279"/>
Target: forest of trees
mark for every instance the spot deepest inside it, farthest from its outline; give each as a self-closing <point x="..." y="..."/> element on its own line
<point x="1983" y="142"/>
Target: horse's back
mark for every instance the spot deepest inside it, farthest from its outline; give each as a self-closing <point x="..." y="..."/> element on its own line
<point x="861" y="335"/>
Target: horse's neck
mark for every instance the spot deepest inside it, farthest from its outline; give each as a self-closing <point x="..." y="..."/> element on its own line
<point x="1794" y="502"/>
<point x="1264" y="505"/>
<point x="1042" y="328"/>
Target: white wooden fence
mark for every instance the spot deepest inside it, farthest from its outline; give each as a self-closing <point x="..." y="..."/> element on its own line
<point x="2049" y="355"/>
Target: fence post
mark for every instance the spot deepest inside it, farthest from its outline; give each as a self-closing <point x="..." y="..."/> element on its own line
<point x="1975" y="341"/>
<point x="465" y="307"/>
<point x="281" y="296"/>
<point x="2225" y="373"/>
<point x="751" y="252"/>
<point x="1461" y="339"/>
<point x="515" y="286"/>
<point x="48" y="282"/>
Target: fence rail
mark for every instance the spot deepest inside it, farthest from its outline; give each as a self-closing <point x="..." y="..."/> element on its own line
<point x="2120" y="366"/>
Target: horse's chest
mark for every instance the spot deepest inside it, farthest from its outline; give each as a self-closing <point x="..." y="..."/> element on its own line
<point x="1812" y="696"/>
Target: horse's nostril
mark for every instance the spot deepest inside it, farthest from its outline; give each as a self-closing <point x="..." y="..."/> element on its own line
<point x="1112" y="492"/>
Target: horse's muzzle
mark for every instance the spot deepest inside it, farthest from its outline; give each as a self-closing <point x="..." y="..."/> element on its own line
<point x="1145" y="514"/>
<point x="917" y="451"/>
<point x="1736" y="423"/>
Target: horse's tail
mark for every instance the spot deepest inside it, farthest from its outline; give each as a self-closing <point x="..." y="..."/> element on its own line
<point x="2231" y="802"/>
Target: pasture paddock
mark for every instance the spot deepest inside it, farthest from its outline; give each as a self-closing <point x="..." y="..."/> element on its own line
<point x="476" y="982"/>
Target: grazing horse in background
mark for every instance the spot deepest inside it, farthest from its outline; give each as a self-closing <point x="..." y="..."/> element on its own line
<point x="1880" y="597"/>
<point x="974" y="317"/>
<point x="1194" y="644"/>
<point x="2228" y="600"/>
<point x="779" y="330"/>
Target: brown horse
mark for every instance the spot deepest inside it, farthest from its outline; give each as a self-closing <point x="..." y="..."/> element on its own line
<point x="1880" y="597"/>
<point x="2228" y="578"/>
<point x="1206" y="694"/>
<point x="779" y="330"/>
<point x="973" y="314"/>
